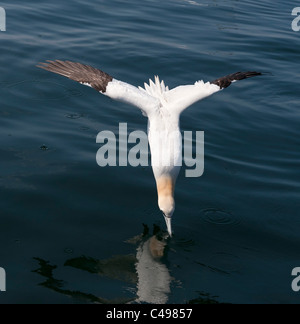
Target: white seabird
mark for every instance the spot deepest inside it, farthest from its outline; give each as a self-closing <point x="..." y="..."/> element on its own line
<point x="163" y="108"/>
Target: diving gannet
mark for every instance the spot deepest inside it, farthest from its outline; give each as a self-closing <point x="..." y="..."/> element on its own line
<point x="163" y="108"/>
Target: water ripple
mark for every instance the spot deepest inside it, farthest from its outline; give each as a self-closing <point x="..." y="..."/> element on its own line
<point x="220" y="217"/>
<point x="225" y="262"/>
<point x="41" y="90"/>
<point x="222" y="263"/>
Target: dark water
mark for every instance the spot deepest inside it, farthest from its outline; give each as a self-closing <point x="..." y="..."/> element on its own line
<point x="73" y="232"/>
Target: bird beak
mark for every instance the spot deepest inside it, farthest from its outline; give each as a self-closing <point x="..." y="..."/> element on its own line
<point x="169" y="227"/>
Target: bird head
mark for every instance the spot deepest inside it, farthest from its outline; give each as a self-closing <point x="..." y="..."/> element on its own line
<point x="167" y="206"/>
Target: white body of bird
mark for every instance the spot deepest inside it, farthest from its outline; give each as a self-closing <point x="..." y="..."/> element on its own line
<point x="163" y="108"/>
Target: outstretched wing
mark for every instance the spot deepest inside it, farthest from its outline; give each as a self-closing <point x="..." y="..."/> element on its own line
<point x="184" y="96"/>
<point x="102" y="82"/>
<point x="226" y="81"/>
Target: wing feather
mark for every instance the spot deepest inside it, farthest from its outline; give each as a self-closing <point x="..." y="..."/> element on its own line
<point x="81" y="73"/>
<point x="226" y="81"/>
<point x="184" y="96"/>
<point x="102" y="82"/>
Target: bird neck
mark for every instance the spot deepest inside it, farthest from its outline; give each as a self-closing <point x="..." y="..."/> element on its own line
<point x="165" y="186"/>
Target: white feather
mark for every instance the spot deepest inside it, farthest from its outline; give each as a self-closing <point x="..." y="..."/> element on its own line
<point x="183" y="97"/>
<point x="163" y="108"/>
<point x="125" y="92"/>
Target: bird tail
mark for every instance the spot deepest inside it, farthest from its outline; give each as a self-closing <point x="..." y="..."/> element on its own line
<point x="155" y="89"/>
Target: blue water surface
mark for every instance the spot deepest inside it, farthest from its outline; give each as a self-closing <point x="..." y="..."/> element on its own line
<point x="72" y="232"/>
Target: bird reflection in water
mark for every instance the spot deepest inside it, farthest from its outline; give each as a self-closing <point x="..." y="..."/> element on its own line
<point x="146" y="270"/>
<point x="154" y="278"/>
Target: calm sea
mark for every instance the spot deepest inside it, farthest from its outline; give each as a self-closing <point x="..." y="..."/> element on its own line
<point x="72" y="232"/>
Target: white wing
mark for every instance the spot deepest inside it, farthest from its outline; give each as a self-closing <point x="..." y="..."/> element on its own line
<point x="103" y="83"/>
<point x="125" y="92"/>
<point x="184" y="96"/>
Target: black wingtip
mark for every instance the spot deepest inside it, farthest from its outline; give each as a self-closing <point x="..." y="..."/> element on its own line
<point x="84" y="74"/>
<point x="226" y="81"/>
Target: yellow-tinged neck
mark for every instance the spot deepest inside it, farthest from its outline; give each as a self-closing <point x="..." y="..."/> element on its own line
<point x="165" y="187"/>
<point x="166" y="202"/>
